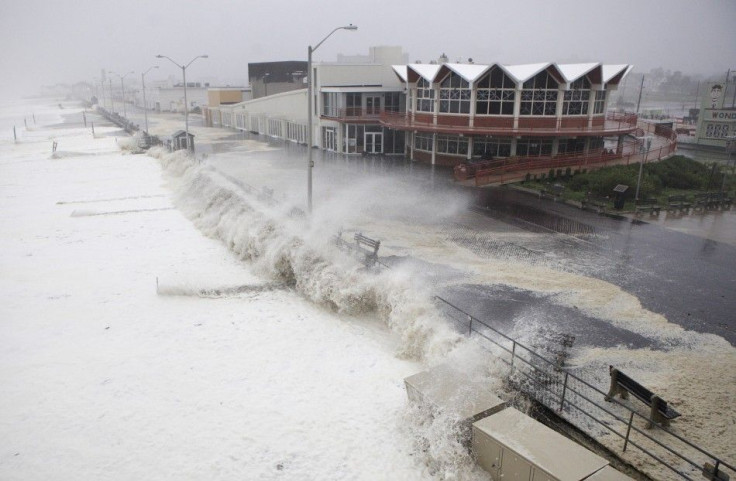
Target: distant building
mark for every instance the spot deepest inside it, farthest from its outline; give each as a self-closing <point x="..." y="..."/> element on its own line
<point x="269" y="78"/>
<point x="217" y="96"/>
<point x="171" y="99"/>
<point x="221" y="96"/>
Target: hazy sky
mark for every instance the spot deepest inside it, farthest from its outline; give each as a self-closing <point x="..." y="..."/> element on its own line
<point x="49" y="41"/>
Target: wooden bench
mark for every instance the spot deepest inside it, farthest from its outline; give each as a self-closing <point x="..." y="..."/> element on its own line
<point x="678" y="202"/>
<point x="368" y="247"/>
<point x="595" y="204"/>
<point x="720" y="200"/>
<point x="702" y="201"/>
<point x="660" y="411"/>
<point x="364" y="247"/>
<point x="647" y="205"/>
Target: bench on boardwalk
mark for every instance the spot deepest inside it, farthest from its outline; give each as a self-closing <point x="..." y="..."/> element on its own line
<point x="678" y="202"/>
<point x="722" y="200"/>
<point x="622" y="384"/>
<point x="368" y="247"/>
<point x="364" y="247"/>
<point x="595" y="204"/>
<point x="647" y="205"/>
<point x="702" y="201"/>
<point x="712" y="200"/>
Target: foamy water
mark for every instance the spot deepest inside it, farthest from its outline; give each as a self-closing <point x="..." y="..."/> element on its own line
<point x="134" y="347"/>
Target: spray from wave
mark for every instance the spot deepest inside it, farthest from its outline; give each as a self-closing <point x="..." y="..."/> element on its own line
<point x="285" y="249"/>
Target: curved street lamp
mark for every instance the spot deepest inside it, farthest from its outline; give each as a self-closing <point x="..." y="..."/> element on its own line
<point x="184" y="76"/>
<point x="310" y="87"/>
<point x="122" y="87"/>
<point x="143" y="85"/>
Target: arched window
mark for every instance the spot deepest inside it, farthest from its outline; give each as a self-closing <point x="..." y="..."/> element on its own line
<point x="539" y="95"/>
<point x="454" y="95"/>
<point x="425" y="96"/>
<point x="576" y="99"/>
<point x="496" y="94"/>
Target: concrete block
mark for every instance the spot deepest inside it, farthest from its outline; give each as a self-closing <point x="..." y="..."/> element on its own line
<point x="512" y="445"/>
<point x="452" y="391"/>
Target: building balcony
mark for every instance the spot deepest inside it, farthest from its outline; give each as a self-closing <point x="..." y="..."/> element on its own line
<point x="503" y="126"/>
<point x="500" y="171"/>
<point x="353" y="115"/>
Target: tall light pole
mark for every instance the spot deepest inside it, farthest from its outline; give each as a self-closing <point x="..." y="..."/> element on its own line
<point x="725" y="90"/>
<point x="112" y="99"/>
<point x="265" y="82"/>
<point x="102" y="84"/>
<point x="186" y="104"/>
<point x="143" y="85"/>
<point x="310" y="87"/>
<point x="122" y="91"/>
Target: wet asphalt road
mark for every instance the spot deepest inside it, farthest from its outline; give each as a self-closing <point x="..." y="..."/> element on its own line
<point x="688" y="278"/>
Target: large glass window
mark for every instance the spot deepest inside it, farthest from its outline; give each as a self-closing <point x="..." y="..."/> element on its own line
<point x="423" y="142"/>
<point x="596" y="144"/>
<point x="575" y="101"/>
<point x="496" y="94"/>
<point x="425" y="96"/>
<point x="352" y="104"/>
<point x="533" y="146"/>
<point x="454" y="95"/>
<point x="329" y="104"/>
<point x="354" y="137"/>
<point x="392" y="102"/>
<point x="539" y="95"/>
<point x="599" y="105"/>
<point x="571" y="146"/>
<point x="452" y="144"/>
<point x="490" y="147"/>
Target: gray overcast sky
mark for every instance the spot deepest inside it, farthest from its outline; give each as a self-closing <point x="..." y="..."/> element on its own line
<point x="51" y="41"/>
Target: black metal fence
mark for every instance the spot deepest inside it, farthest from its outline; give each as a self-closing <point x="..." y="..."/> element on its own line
<point x="578" y="397"/>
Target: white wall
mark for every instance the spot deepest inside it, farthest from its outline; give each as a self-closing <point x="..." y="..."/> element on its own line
<point x="172" y="98"/>
<point x="289" y="105"/>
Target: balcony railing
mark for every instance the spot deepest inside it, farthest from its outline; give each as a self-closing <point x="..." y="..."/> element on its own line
<point x="514" y="169"/>
<point x="352" y="113"/>
<point x="613" y="124"/>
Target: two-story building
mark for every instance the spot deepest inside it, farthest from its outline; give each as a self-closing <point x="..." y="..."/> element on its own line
<point x="445" y="113"/>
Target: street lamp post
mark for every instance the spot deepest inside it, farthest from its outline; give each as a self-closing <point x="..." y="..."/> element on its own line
<point x="725" y="90"/>
<point x="112" y="99"/>
<point x="102" y="84"/>
<point x="310" y="87"/>
<point x="184" y="76"/>
<point x="265" y="83"/>
<point x="143" y="86"/>
<point x="122" y="91"/>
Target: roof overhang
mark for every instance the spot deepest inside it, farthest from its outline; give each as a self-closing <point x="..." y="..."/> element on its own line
<point x="415" y="71"/>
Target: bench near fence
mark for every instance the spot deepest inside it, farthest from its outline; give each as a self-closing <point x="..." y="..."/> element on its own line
<point x="712" y="200"/>
<point x="678" y="202"/>
<point x="596" y="204"/>
<point x="648" y="205"/>
<point x="622" y="384"/>
<point x="364" y="247"/>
